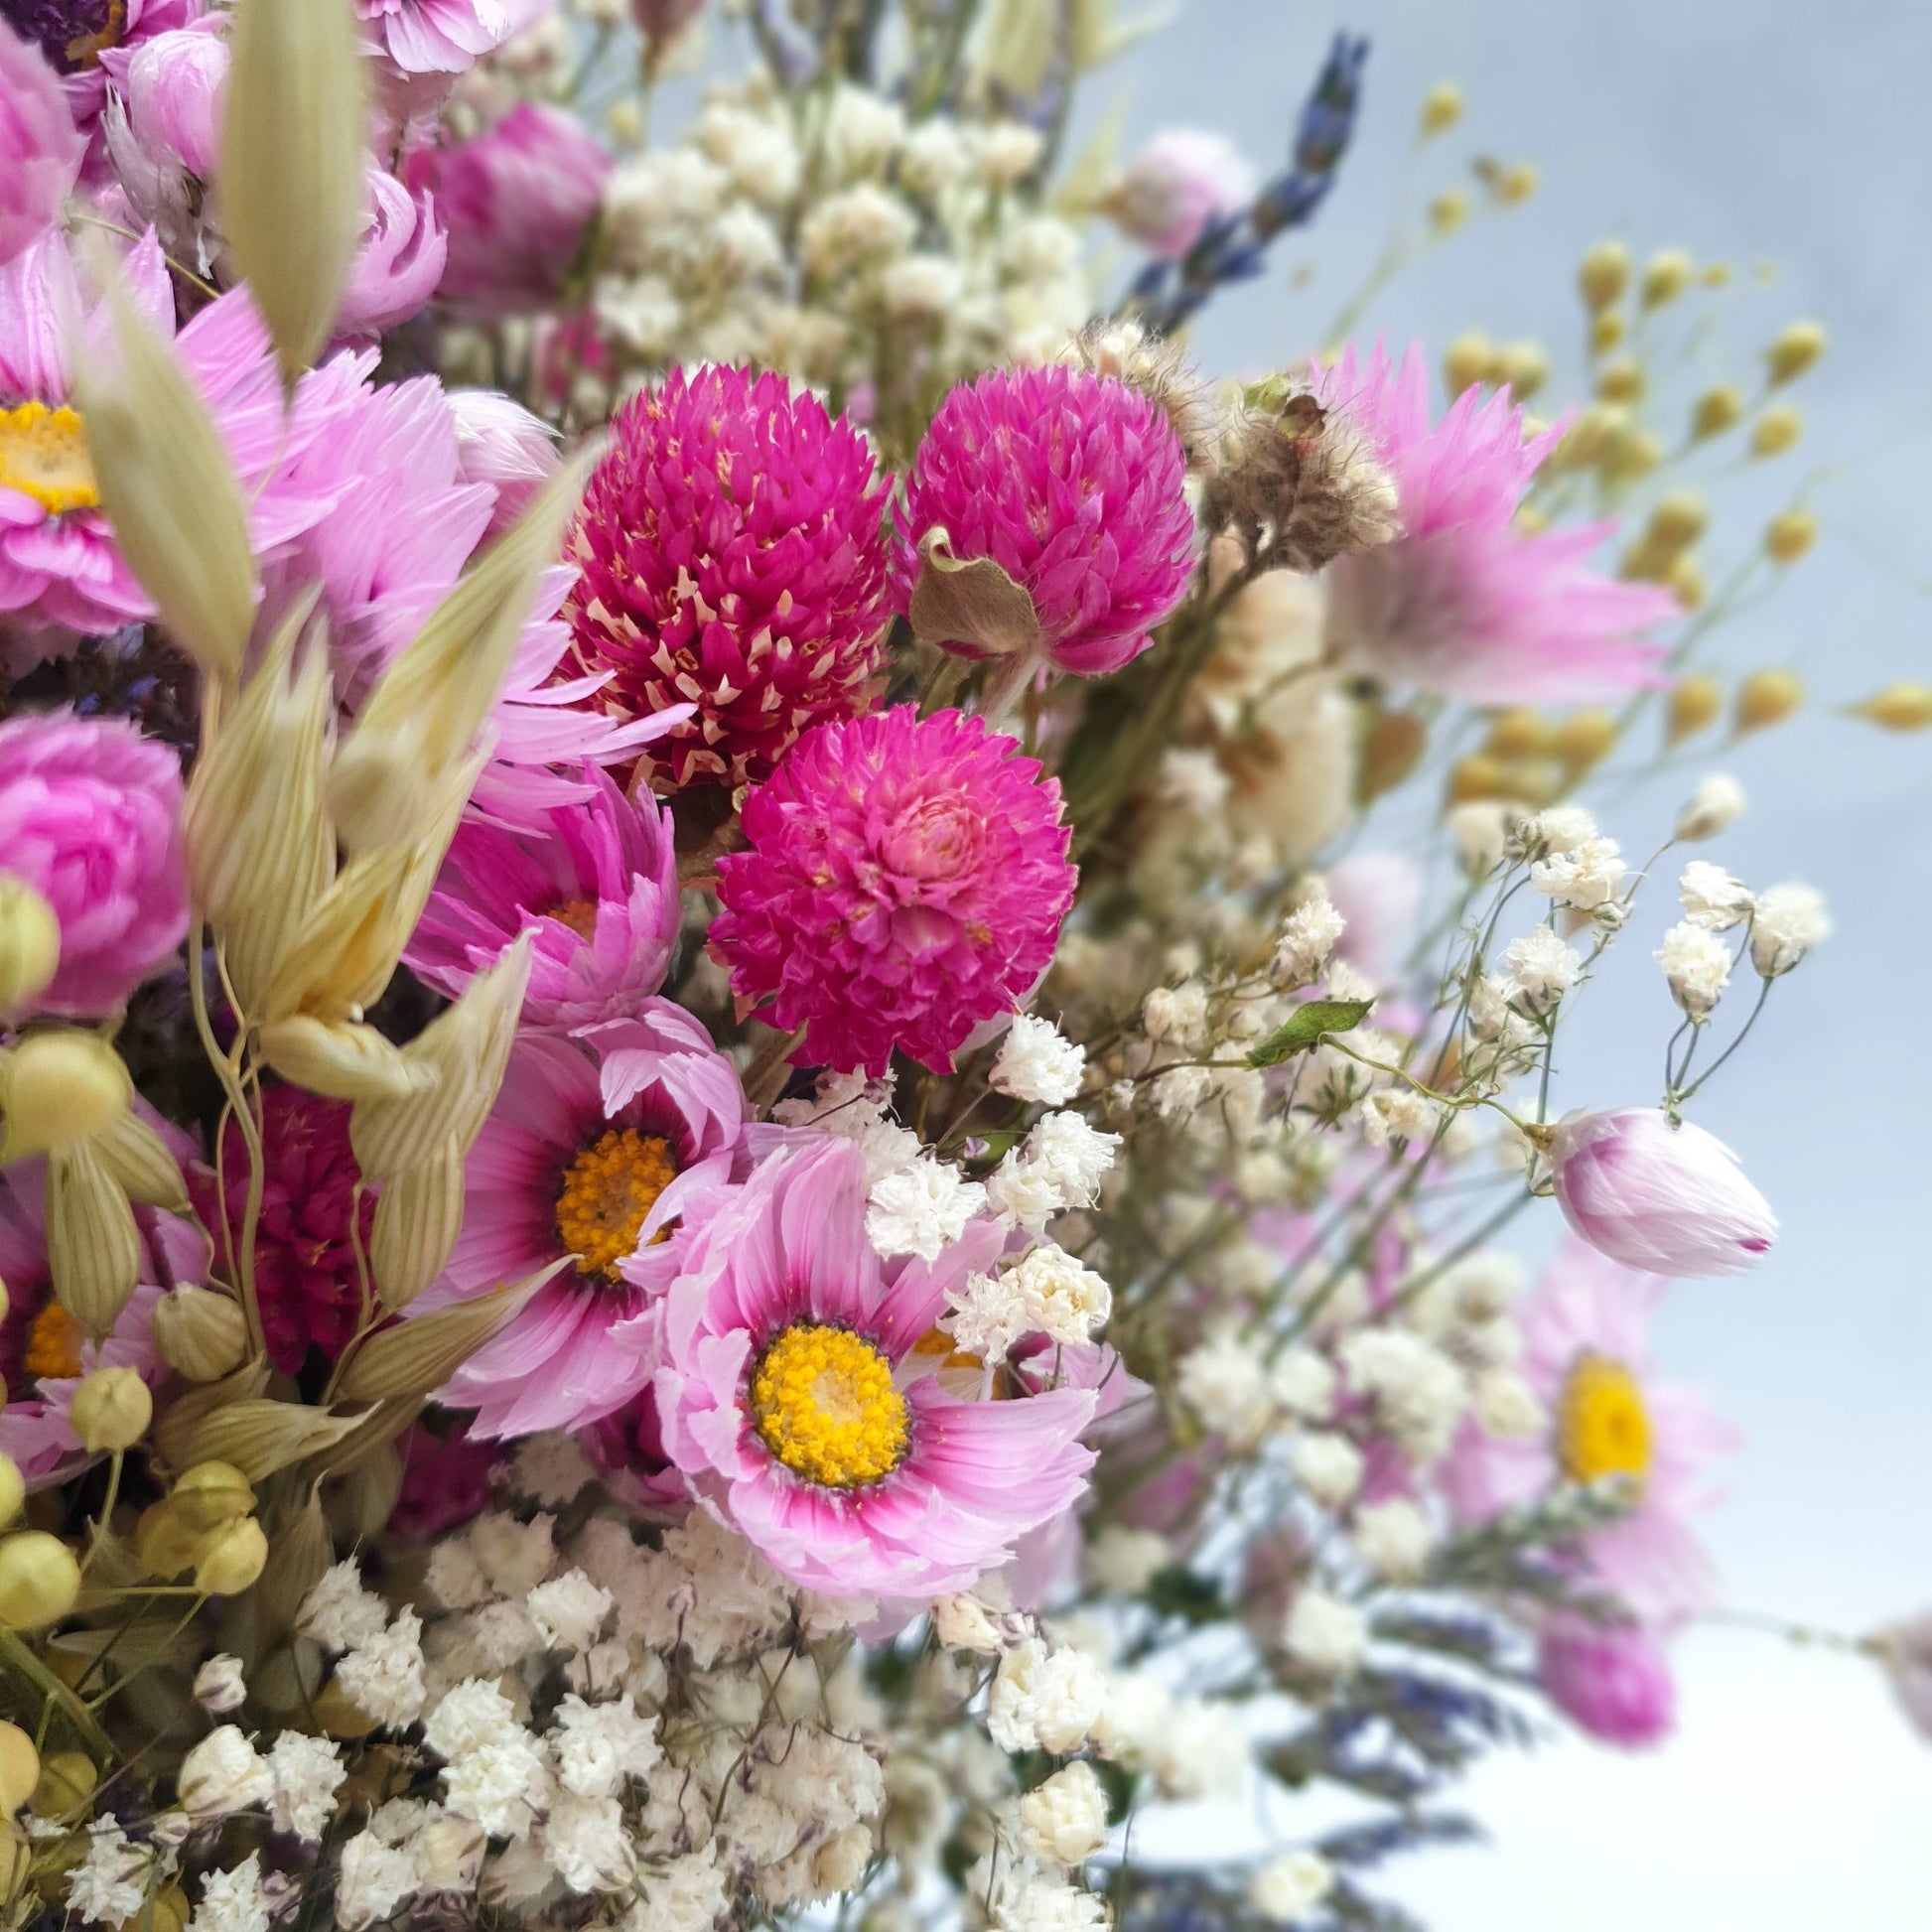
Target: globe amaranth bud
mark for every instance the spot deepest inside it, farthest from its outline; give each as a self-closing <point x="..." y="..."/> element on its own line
<point x="111" y="1410"/>
<point x="39" y="1581"/>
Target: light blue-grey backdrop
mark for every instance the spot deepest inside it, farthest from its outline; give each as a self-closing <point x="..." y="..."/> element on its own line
<point x="1743" y="130"/>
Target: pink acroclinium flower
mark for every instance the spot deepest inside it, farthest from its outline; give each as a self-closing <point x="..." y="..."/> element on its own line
<point x="599" y="889"/>
<point x="796" y="1396"/>
<point x="1073" y="485"/>
<point x="1613" y="1681"/>
<point x="90" y="818"/>
<point x="905" y="881"/>
<point x="1586" y="1355"/>
<point x="1464" y="603"/>
<point x="40" y="146"/>
<point x="399" y="258"/>
<point x="604" y="1154"/>
<point x="446" y="37"/>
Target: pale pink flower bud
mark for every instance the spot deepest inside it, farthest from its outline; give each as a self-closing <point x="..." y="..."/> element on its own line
<point x="172" y="89"/>
<point x="40" y="146"/>
<point x="1611" y="1680"/>
<point x="1662" y="1200"/>
<point x="399" y="261"/>
<point x="499" y="443"/>
<point x="1181" y="181"/>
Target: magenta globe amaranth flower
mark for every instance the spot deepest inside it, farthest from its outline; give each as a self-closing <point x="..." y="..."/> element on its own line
<point x="1666" y="1199"/>
<point x="1613" y="1681"/>
<point x="1072" y="483"/>
<point x="795" y="1397"/>
<point x="1183" y="179"/>
<point x="1465" y="603"/>
<point x="516" y="200"/>
<point x="40" y="147"/>
<point x="90" y="818"/>
<point x="905" y="881"/>
<point x="599" y="890"/>
<point x="733" y="557"/>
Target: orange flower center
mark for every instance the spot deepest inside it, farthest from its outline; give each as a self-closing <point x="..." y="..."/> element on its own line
<point x="1603" y="1424"/>
<point x="580" y="915"/>
<point x="54" y="1344"/>
<point x="607" y="1192"/>
<point x="825" y="1405"/>
<point x="43" y="455"/>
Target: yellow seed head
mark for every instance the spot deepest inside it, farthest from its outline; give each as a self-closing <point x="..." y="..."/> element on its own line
<point x="1477" y="777"/>
<point x="1789" y="535"/>
<point x="1899" y="707"/>
<point x="1677" y="522"/>
<point x="1590" y="435"/>
<point x="1621" y="380"/>
<point x="231" y="1559"/>
<point x="30" y="943"/>
<point x="1695" y="703"/>
<point x="1766" y="698"/>
<point x="1631" y="456"/>
<point x="1716" y="410"/>
<point x="1517" y="733"/>
<point x="1793" y="350"/>
<point x="1449" y="211"/>
<point x="13" y="1490"/>
<point x="1514" y="186"/>
<point x="1584" y="740"/>
<point x="1777" y="431"/>
<point x="111" y="1410"/>
<point x="1684" y="579"/>
<point x="1603" y="275"/>
<point x="20" y="1768"/>
<point x="1442" y="108"/>
<point x="59" y="1089"/>
<point x="1467" y="361"/>
<point x="1666" y="275"/>
<point x="1524" y="367"/>
<point x="39" y="1581"/>
<point x="1606" y="332"/>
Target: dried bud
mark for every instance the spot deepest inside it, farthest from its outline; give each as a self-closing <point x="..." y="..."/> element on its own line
<point x="1517" y="733"/>
<point x="1678" y="521"/>
<point x="68" y="1781"/>
<point x="340" y="1058"/>
<point x="201" y="1333"/>
<point x="111" y="1410"/>
<point x="1607" y="330"/>
<point x="1604" y="275"/>
<point x="94" y="1249"/>
<point x="223" y="1773"/>
<point x="1524" y="367"/>
<point x="1713" y="808"/>
<point x="1716" y="410"/>
<point x="1766" y="698"/>
<point x="1393" y="749"/>
<point x="1449" y="211"/>
<point x="1621" y="380"/>
<point x="30" y="944"/>
<point x="39" y="1581"/>
<point x="417" y="1221"/>
<point x="1158" y="368"/>
<point x="1695" y="703"/>
<point x="1666" y="276"/>
<point x="1789" y="535"/>
<point x="13" y="1490"/>
<point x="1794" y="351"/>
<point x="1585" y="741"/>
<point x="20" y="1768"/>
<point x="57" y="1089"/>
<point x="219" y="1686"/>
<point x="1777" y="430"/>
<point x="1442" y="108"/>
<point x="1898" y="707"/>
<point x="230" y="1560"/>
<point x="1467" y="361"/>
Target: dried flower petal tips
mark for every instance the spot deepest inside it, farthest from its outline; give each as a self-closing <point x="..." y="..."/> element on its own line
<point x="733" y="558"/>
<point x="40" y="146"/>
<point x="1072" y="483"/>
<point x="797" y="1398"/>
<point x="905" y="882"/>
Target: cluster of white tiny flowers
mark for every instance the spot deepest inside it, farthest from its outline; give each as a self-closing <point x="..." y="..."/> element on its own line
<point x="1059" y="1166"/>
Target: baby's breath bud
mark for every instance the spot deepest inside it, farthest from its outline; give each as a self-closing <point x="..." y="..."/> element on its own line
<point x="232" y="1560"/>
<point x="201" y="1333"/>
<point x="20" y="1768"/>
<point x="1793" y="350"/>
<point x="1766" y="698"/>
<point x="1713" y="808"/>
<point x="1442" y="108"/>
<point x="57" y="1089"/>
<point x="1605" y="274"/>
<point x="1695" y="703"/>
<point x="1898" y="707"/>
<point x="30" y="943"/>
<point x="1666" y="276"/>
<point x="111" y="1410"/>
<point x="1789" y="535"/>
<point x="1777" y="430"/>
<point x="1716" y="411"/>
<point x="1467" y="361"/>
<point x="39" y="1581"/>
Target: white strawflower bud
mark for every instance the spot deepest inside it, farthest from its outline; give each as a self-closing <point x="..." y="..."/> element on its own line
<point x="223" y="1773"/>
<point x="1713" y="808"/>
<point x="1789" y="921"/>
<point x="1697" y="963"/>
<point x="1064" y="1820"/>
<point x="1037" y="1062"/>
<point x="219" y="1687"/>
<point x="1712" y="898"/>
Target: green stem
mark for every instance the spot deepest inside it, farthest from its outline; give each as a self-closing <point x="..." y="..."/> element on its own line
<point x="16" y="1655"/>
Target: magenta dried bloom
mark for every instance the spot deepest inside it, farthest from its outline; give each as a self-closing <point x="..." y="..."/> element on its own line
<point x="1613" y="1681"/>
<point x="1072" y="483"/>
<point x="1672" y="1201"/>
<point x="905" y="881"/>
<point x="40" y="146"/>
<point x="90" y="818"/>
<point x="516" y="200"/>
<point x="599" y="889"/>
<point x="446" y="1480"/>
<point x="733" y="557"/>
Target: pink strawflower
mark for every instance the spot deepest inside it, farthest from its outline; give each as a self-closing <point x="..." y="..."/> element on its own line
<point x="1183" y="179"/>
<point x="733" y="558"/>
<point x="446" y="1480"/>
<point x="305" y="1277"/>
<point x="1613" y="1681"/>
<point x="599" y="889"/>
<point x="516" y="200"/>
<point x="90" y="818"/>
<point x="45" y="1352"/>
<point x="59" y="563"/>
<point x="905" y="881"/>
<point x="40" y="147"/>
<point x="1672" y="1201"/>
<point x="1611" y="1421"/>
<point x="171" y="91"/>
<point x="399" y="260"/>
<point x="1463" y="603"/>
<point x="500" y="444"/>
<point x="444" y="36"/>
<point x="1072" y="483"/>
<point x="795" y="1398"/>
<point x="597" y="1151"/>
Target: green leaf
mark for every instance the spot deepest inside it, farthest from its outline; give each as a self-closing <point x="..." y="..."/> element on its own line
<point x="1306" y="1027"/>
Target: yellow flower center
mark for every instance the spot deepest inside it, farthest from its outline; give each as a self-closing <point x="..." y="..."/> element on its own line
<point x="824" y="1403"/>
<point x="43" y="455"/>
<point x="53" y="1343"/>
<point x="607" y="1192"/>
<point x="1603" y="1426"/>
<point x="580" y="915"/>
